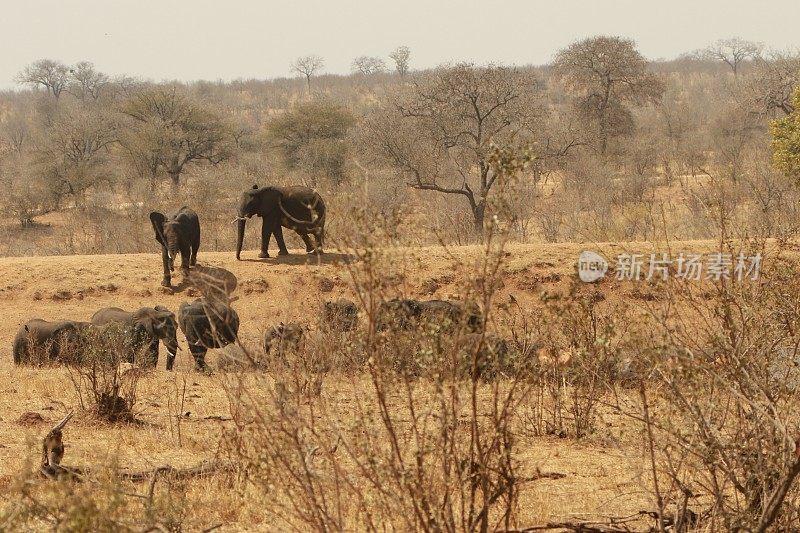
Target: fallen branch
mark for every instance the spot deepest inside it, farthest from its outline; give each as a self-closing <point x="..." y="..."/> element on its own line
<point x="612" y="525"/>
<point x="201" y="470"/>
<point x="580" y="527"/>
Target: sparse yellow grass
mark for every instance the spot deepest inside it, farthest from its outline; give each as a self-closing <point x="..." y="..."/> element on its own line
<point x="182" y="427"/>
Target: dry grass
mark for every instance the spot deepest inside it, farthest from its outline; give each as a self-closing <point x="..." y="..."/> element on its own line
<point x="183" y="414"/>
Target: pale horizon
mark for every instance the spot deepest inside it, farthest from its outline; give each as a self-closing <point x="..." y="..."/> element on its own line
<point x="204" y="40"/>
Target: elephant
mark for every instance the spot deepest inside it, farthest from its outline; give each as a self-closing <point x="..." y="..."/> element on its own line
<point x="145" y="327"/>
<point x="178" y="231"/>
<point x="398" y="313"/>
<point x="297" y="208"/>
<point x="207" y="324"/>
<point x="450" y="314"/>
<point x="405" y="314"/>
<point x="340" y="315"/>
<point x="39" y="342"/>
<point x="485" y="356"/>
<point x="283" y="338"/>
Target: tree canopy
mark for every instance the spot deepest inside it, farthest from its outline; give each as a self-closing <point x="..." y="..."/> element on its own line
<point x="607" y="74"/>
<point x="441" y="135"/>
<point x="169" y="131"/>
<point x="786" y="140"/>
<point x="310" y="137"/>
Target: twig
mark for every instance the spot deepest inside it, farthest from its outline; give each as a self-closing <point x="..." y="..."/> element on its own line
<point x="651" y="449"/>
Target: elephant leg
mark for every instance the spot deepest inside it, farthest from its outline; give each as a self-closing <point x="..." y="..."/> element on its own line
<point x="266" y="234"/>
<point x="319" y="236"/>
<point x="166" y="280"/>
<point x="195" y="247"/>
<point x="170" y="360"/>
<point x="186" y="255"/>
<point x="199" y="355"/>
<point x="306" y="239"/>
<point x="279" y="239"/>
<point x="151" y="358"/>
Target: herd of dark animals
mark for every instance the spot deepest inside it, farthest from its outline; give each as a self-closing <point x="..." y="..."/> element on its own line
<point x="210" y="322"/>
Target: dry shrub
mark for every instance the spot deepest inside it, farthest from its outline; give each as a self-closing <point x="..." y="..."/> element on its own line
<point x="102" y="503"/>
<point x="572" y="353"/>
<point x="104" y="386"/>
<point x="720" y="400"/>
<point x="431" y="449"/>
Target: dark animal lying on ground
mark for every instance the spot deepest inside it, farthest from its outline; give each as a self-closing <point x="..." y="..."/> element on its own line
<point x="41" y="342"/>
<point x="447" y="315"/>
<point x="206" y="325"/>
<point x="282" y="339"/>
<point x="144" y="328"/>
<point x="340" y="315"/>
<point x="484" y="356"/>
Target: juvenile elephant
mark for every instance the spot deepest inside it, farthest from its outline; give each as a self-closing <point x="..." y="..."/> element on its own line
<point x="340" y="315"/>
<point x="485" y="356"/>
<point x="398" y="313"/>
<point x="298" y="208"/>
<point x="282" y="339"/>
<point x="144" y="327"/>
<point x="178" y="231"/>
<point x="207" y="325"/>
<point x="449" y="314"/>
<point x="39" y="341"/>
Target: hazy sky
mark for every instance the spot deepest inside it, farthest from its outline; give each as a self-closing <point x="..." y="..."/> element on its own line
<point x="229" y="39"/>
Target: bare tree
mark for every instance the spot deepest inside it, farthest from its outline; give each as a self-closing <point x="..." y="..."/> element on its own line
<point x="733" y="52"/>
<point x="607" y="73"/>
<point x="368" y="65"/>
<point x="16" y="130"/>
<point x="400" y="56"/>
<point x="86" y="81"/>
<point x="52" y="75"/>
<point x="440" y="137"/>
<point x="170" y="131"/>
<point x="307" y="66"/>
<point x="770" y="86"/>
<point x="74" y="154"/>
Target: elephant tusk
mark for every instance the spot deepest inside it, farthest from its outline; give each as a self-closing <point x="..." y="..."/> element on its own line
<point x="311" y="224"/>
<point x="237" y="219"/>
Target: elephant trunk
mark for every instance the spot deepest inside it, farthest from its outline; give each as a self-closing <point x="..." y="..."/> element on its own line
<point x="240" y="235"/>
<point x="171" y="343"/>
<point x="172" y="248"/>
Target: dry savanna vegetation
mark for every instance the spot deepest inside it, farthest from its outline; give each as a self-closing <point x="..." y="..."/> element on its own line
<point x="474" y="383"/>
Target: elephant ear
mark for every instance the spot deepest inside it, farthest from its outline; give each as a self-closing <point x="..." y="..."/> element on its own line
<point x="146" y="322"/>
<point x="163" y="314"/>
<point x="158" y="219"/>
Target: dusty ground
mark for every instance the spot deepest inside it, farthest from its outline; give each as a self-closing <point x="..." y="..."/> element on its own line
<point x="605" y="474"/>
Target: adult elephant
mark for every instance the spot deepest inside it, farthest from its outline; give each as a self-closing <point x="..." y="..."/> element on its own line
<point x="144" y="328"/>
<point x="207" y="324"/>
<point x="297" y="208"/>
<point x="407" y="314"/>
<point x="177" y="231"/>
<point x="40" y="342"/>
